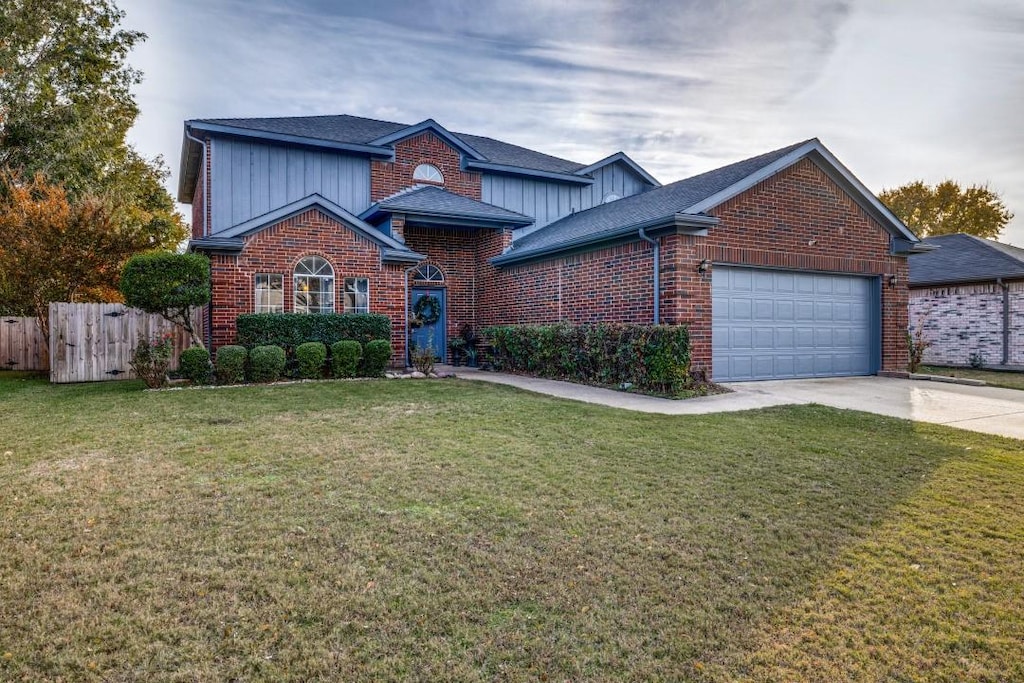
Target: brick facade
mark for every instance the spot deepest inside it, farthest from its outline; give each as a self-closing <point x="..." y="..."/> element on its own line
<point x="962" y="320"/>
<point x="278" y="248"/>
<point x="798" y="219"/>
<point x="388" y="177"/>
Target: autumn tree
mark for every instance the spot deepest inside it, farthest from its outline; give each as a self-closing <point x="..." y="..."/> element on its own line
<point x="55" y="249"/>
<point x="947" y="208"/>
<point x="66" y="107"/>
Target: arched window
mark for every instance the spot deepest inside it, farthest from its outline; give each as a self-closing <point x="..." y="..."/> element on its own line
<point x="314" y="286"/>
<point x="428" y="273"/>
<point x="429" y="173"/>
<point x="610" y="197"/>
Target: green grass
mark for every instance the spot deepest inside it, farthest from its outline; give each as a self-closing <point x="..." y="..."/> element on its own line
<point x="376" y="530"/>
<point x="995" y="378"/>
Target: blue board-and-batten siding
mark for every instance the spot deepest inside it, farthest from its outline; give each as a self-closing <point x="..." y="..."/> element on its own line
<point x="251" y="179"/>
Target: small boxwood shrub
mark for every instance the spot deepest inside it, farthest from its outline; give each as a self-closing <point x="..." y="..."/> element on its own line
<point x="289" y="330"/>
<point x="266" y="363"/>
<point x="345" y="358"/>
<point x="311" y="358"/>
<point x="194" y="365"/>
<point x="230" y="364"/>
<point x="653" y="358"/>
<point x="376" y="354"/>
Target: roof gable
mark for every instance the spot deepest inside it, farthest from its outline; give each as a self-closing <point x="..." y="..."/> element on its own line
<point x="620" y="158"/>
<point x="391" y="249"/>
<point x="965" y="258"/>
<point x="431" y="202"/>
<point x="695" y="196"/>
<point x="434" y="127"/>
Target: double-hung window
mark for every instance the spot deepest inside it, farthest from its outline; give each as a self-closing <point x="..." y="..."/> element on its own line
<point x="357" y="295"/>
<point x="269" y="294"/>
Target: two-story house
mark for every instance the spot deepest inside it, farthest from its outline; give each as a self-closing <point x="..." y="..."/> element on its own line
<point x="782" y="265"/>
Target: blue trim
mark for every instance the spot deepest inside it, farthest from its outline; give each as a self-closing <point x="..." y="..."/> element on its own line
<point x="534" y="173"/>
<point x="691" y="225"/>
<point x="620" y="157"/>
<point x="220" y="245"/>
<point x="433" y="126"/>
<point x="876" y="325"/>
<point x="371" y="150"/>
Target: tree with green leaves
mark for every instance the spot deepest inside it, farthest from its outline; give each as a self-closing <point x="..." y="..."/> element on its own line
<point x="66" y="107"/>
<point x="169" y="284"/>
<point x="946" y="208"/>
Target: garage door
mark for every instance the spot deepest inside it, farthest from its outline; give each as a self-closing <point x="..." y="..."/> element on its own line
<point x="774" y="324"/>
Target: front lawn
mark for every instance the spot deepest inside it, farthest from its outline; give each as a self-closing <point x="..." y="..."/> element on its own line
<point x="447" y="530"/>
<point x="994" y="378"/>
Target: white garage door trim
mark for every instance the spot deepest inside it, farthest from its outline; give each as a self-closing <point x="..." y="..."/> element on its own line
<point x="782" y="324"/>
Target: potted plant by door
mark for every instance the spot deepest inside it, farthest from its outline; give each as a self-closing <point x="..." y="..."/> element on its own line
<point x="457" y="349"/>
<point x="470" y="339"/>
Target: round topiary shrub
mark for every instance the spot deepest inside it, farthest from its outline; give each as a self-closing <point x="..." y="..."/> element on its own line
<point x="345" y="357"/>
<point x="311" y="358"/>
<point x="230" y="364"/>
<point x="266" y="363"/>
<point x="194" y="365"/>
<point x="376" y="355"/>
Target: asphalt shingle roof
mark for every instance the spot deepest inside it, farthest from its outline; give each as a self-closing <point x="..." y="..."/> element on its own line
<point x="357" y="130"/>
<point x="637" y="209"/>
<point x="965" y="258"/>
<point x="434" y="200"/>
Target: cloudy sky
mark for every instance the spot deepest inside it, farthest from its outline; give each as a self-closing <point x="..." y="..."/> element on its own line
<point x="897" y="89"/>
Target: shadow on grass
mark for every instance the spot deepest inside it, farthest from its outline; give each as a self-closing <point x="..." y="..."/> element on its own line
<point x="447" y="530"/>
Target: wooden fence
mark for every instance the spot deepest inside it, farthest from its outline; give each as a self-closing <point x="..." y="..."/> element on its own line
<point x="22" y="344"/>
<point x="95" y="342"/>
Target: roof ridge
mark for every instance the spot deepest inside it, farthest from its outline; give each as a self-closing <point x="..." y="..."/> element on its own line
<point x="998" y="247"/>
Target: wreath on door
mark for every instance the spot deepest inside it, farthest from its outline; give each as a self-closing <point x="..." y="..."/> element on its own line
<point x="427" y="310"/>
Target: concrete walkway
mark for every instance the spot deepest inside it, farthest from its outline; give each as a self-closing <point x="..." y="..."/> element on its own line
<point x="988" y="410"/>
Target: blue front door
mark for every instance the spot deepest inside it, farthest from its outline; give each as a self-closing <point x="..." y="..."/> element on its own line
<point x="430" y="334"/>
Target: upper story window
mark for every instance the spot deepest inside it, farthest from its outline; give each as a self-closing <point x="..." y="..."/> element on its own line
<point x="429" y="173"/>
<point x="314" y="286"/>
<point x="610" y="197"/>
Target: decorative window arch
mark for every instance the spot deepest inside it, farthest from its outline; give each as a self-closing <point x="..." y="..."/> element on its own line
<point x="429" y="173"/>
<point x="314" y="285"/>
<point x="428" y="272"/>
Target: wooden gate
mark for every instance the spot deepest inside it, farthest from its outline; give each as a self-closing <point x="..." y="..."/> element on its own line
<point x="22" y="344"/>
<point x="95" y="342"/>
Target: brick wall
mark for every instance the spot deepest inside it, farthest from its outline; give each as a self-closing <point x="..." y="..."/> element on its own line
<point x="798" y="219"/>
<point x="388" y="177"/>
<point x="278" y="248"/>
<point x="961" y="320"/>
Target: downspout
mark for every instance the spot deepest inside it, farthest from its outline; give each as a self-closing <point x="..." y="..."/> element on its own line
<point x="206" y="231"/>
<point x="657" y="274"/>
<point x="1006" y="320"/>
<point x="406" y="307"/>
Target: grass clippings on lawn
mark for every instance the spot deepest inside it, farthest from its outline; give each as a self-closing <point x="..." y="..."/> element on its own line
<point x="463" y="531"/>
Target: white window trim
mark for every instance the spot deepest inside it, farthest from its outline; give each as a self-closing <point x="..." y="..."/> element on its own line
<point x="333" y="307"/>
<point x="344" y="292"/>
<point x="428" y="168"/>
<point x="256" y="290"/>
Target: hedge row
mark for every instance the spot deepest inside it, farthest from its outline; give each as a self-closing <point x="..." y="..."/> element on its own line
<point x="268" y="363"/>
<point x="289" y="330"/>
<point x="651" y="358"/>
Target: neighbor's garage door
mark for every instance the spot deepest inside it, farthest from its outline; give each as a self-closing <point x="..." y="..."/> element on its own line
<point x="774" y="324"/>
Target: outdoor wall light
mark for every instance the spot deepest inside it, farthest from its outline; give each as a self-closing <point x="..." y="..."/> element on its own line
<point x="892" y="281"/>
<point x="703" y="266"/>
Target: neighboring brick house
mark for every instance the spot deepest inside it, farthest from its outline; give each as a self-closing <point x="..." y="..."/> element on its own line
<point x="782" y="265"/>
<point x="968" y="296"/>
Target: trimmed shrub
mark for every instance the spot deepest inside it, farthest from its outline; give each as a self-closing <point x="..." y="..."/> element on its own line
<point x="266" y="363"/>
<point x="194" y="365"/>
<point x="311" y="357"/>
<point x="653" y="358"/>
<point x="169" y="284"/>
<point x="150" y="360"/>
<point x="345" y="357"/>
<point x="376" y="355"/>
<point x="230" y="364"/>
<point x="288" y="330"/>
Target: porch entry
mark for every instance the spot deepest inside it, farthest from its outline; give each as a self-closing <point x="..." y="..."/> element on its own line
<point x="431" y="333"/>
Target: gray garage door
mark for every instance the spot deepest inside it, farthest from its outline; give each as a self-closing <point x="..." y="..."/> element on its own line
<point x="774" y="324"/>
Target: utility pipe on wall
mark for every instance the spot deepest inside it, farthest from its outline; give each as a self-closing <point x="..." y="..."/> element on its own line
<point x="657" y="274"/>
<point x="1006" y="320"/>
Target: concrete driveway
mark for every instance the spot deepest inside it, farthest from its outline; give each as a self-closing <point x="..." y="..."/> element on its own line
<point x="980" y="409"/>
